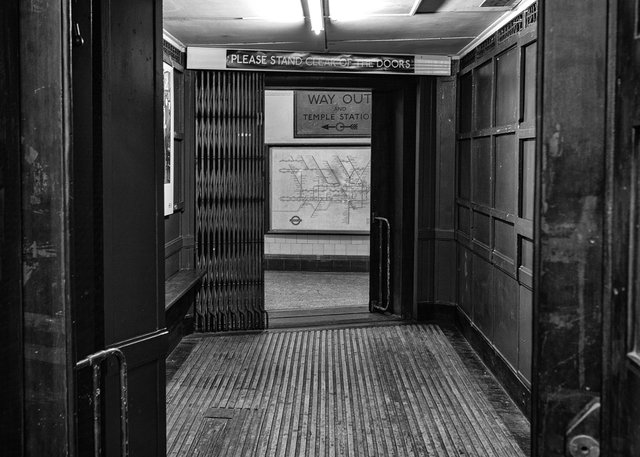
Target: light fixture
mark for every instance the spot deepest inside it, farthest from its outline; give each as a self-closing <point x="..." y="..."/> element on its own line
<point x="316" y="15"/>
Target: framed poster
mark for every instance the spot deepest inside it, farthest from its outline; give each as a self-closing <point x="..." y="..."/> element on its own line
<point x="320" y="189"/>
<point x="167" y="104"/>
<point x="332" y="114"/>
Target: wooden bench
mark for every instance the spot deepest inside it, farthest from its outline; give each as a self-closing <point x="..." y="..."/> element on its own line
<point x="179" y="297"/>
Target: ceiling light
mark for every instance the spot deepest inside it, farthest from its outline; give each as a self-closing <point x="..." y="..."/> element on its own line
<point x="316" y="16"/>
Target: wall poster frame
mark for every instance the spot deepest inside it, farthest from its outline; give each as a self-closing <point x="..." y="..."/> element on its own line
<point x="168" y="107"/>
<point x="320" y="189"/>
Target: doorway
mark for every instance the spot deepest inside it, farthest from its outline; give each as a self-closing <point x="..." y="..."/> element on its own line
<point x="318" y="213"/>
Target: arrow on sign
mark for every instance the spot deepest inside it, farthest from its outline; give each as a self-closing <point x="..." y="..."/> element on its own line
<point x="340" y="126"/>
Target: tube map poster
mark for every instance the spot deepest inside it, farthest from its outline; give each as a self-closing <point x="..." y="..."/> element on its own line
<point x="320" y="189"/>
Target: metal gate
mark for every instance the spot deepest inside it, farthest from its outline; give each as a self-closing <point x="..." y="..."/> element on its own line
<point x="230" y="198"/>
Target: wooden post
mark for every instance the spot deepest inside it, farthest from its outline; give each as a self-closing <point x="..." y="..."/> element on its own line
<point x="569" y="225"/>
<point x="45" y="130"/>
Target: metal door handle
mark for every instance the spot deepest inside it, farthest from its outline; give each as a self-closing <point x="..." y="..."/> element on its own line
<point x="95" y="360"/>
<point x="387" y="254"/>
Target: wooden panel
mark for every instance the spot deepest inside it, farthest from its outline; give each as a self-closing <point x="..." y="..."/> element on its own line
<point x="464" y="169"/>
<point x="132" y="235"/>
<point x="481" y="290"/>
<point x="621" y="307"/>
<point x="483" y="89"/>
<point x="482" y="228"/>
<point x="527" y="176"/>
<point x="502" y="180"/>
<point x="130" y="84"/>
<point x="445" y="133"/>
<point x="11" y="316"/>
<point x="464" y="280"/>
<point x="465" y="104"/>
<point x="464" y="220"/>
<point x="505" y="297"/>
<point x="45" y="104"/>
<point x="179" y="225"/>
<point x="504" y="239"/>
<point x="526" y="253"/>
<point x="507" y="87"/>
<point x="481" y="178"/>
<point x="569" y="273"/>
<point x="525" y="327"/>
<point x="230" y="170"/>
<point x="172" y="227"/>
<point x="529" y="82"/>
<point x="506" y="175"/>
<point x="445" y="271"/>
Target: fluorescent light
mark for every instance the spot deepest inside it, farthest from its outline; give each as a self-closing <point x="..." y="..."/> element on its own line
<point x="315" y="15"/>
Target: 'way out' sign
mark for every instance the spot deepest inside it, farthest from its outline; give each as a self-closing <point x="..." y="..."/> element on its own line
<point x="334" y="114"/>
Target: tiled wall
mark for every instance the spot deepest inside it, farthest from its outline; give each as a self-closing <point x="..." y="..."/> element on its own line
<point x="317" y="245"/>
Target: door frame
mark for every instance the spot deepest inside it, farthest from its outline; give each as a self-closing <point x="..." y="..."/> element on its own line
<point x="570" y="219"/>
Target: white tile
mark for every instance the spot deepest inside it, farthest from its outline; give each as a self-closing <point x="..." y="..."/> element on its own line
<point x="362" y="249"/>
<point x="340" y="249"/>
<point x="285" y="248"/>
<point x="352" y="249"/>
<point x="318" y="249"/>
<point x="307" y="249"/>
<point x="296" y="248"/>
<point x="330" y="249"/>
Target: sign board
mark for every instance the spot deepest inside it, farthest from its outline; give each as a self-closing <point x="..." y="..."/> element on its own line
<point x="333" y="114"/>
<point x="320" y="189"/>
<point x="307" y="61"/>
<point x="205" y="58"/>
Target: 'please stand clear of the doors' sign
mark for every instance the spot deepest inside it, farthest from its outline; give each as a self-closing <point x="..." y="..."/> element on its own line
<point x="332" y="114"/>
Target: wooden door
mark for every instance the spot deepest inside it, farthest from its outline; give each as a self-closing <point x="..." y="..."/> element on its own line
<point x="117" y="251"/>
<point x="230" y="195"/>
<point x="621" y="396"/>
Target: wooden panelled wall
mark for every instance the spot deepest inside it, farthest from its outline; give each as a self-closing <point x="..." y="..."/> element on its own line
<point x="179" y="227"/>
<point x="495" y="190"/>
<point x="230" y="199"/>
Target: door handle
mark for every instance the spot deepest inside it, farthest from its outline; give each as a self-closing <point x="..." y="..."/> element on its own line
<point x="382" y="304"/>
<point x="95" y="361"/>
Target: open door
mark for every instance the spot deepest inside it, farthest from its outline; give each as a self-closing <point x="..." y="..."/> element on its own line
<point x="118" y="234"/>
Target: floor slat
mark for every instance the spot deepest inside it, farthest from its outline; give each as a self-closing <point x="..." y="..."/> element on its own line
<point x="367" y="391"/>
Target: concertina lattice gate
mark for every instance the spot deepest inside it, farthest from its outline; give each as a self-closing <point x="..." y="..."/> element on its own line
<point x="230" y="199"/>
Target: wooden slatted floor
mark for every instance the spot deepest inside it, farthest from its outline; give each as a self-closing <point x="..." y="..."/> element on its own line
<point x="370" y="391"/>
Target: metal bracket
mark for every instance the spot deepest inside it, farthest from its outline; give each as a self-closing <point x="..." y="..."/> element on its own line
<point x="583" y="433"/>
